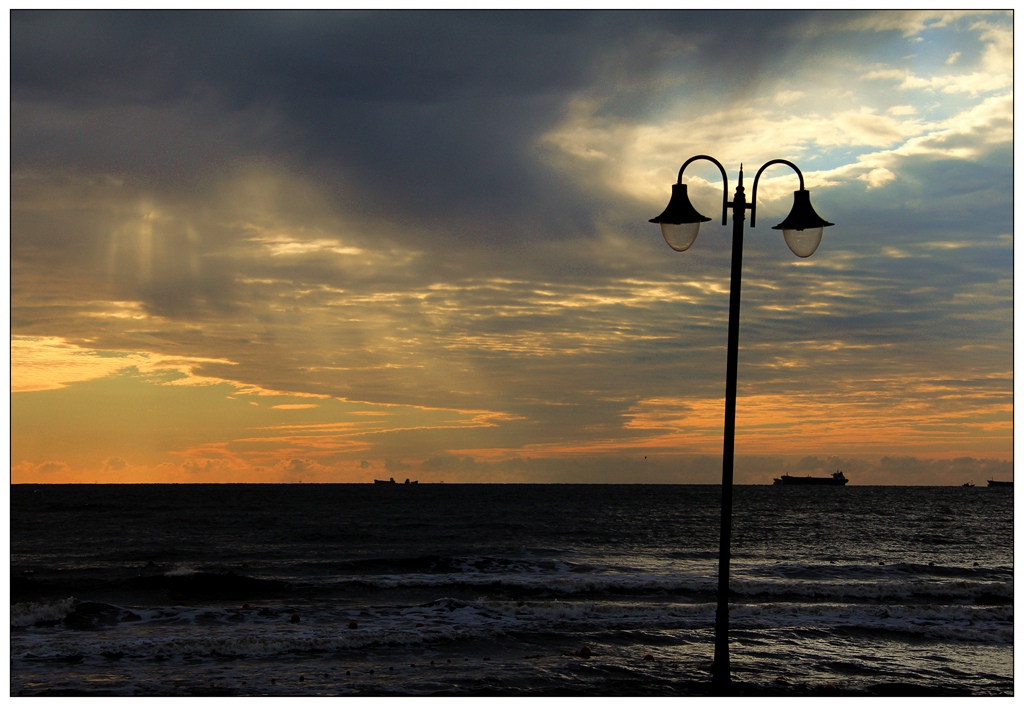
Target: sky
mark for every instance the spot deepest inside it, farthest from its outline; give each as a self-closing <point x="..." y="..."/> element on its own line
<point x="340" y="246"/>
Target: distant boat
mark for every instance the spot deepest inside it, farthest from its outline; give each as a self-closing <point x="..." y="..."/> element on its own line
<point x="391" y="481"/>
<point x="1000" y="484"/>
<point x="837" y="479"/>
<point x="967" y="485"/>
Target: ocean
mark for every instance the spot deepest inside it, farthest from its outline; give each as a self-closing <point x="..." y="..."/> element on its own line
<point x="528" y="590"/>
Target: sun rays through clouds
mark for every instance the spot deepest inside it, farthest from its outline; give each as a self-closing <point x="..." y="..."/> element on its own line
<point x="235" y="256"/>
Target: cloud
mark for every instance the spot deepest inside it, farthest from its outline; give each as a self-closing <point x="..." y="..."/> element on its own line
<point x="394" y="465"/>
<point x="28" y="472"/>
<point x="205" y="470"/>
<point x="115" y="463"/>
<point x="628" y="157"/>
<point x="442" y="216"/>
<point x="299" y="468"/>
<point x="50" y="363"/>
<point x="877" y="178"/>
<point x="909" y="22"/>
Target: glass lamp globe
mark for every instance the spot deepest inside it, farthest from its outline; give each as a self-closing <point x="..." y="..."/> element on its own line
<point x="680" y="236"/>
<point x="803" y="242"/>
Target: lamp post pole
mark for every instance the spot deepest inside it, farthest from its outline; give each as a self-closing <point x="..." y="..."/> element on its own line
<point x="720" y="669"/>
<point x="802" y="230"/>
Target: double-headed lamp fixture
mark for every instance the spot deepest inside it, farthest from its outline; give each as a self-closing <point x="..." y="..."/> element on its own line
<point x="802" y="228"/>
<point x="679" y="223"/>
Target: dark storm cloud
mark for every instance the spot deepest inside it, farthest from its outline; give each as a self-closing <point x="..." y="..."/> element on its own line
<point x="424" y="112"/>
<point x="397" y="98"/>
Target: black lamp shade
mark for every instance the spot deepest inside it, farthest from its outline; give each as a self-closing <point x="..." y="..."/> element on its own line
<point x="679" y="209"/>
<point x="802" y="216"/>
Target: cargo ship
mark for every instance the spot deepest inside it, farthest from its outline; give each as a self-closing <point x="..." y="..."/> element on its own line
<point x="1000" y="484"/>
<point x="837" y="479"/>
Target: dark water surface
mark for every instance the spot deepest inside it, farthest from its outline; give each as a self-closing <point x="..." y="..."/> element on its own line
<point x="495" y="589"/>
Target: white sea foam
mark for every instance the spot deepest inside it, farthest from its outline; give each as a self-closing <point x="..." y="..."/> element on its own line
<point x="26" y="614"/>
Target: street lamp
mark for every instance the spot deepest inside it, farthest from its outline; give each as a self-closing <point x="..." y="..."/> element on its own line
<point x="802" y="230"/>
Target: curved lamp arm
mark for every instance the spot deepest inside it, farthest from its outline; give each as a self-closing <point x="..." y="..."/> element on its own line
<point x="725" y="181"/>
<point x="753" y="196"/>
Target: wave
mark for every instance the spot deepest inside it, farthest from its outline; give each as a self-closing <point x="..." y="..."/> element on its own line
<point x="966" y="623"/>
<point x="42" y="612"/>
<point x="685" y="577"/>
<point x="169" y="631"/>
<point x="880" y="570"/>
<point x="488" y="576"/>
<point x="448" y="564"/>
<point x="207" y="585"/>
<point x="697" y="588"/>
<point x="177" y="585"/>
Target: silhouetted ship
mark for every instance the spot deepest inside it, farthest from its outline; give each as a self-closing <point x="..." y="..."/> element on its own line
<point x="1000" y="484"/>
<point x="837" y="479"/>
<point x="391" y="481"/>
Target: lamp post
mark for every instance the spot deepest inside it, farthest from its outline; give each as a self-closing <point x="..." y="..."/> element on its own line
<point x="802" y="230"/>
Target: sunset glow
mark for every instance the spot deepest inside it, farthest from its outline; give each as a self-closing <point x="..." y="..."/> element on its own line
<point x="235" y="258"/>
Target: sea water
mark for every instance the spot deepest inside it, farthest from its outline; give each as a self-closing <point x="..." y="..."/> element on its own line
<point x="436" y="589"/>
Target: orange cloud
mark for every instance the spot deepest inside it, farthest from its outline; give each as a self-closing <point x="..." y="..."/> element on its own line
<point x="50" y="363"/>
